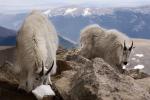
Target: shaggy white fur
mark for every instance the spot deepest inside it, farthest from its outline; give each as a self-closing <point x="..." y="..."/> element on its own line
<point x="96" y="41"/>
<point x="37" y="42"/>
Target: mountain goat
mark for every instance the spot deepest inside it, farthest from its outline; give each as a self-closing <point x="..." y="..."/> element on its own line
<point x="111" y="45"/>
<point x="37" y="43"/>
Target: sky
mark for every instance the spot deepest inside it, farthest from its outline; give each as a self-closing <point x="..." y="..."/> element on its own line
<point x="22" y="5"/>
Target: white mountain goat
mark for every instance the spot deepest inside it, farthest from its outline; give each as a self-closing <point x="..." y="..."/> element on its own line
<point x="37" y="43"/>
<point x="111" y="45"/>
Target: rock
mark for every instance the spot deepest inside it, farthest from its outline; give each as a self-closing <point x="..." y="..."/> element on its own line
<point x="9" y="91"/>
<point x="79" y="78"/>
<point x="61" y="53"/>
<point x="136" y="74"/>
<point x="62" y="66"/>
<point x="7" y="55"/>
<point x="99" y="81"/>
<point x="61" y="50"/>
<point x="63" y="84"/>
<point x="144" y="83"/>
<point x="96" y="80"/>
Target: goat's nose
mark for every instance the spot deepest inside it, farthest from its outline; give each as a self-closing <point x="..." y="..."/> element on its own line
<point x="125" y="63"/>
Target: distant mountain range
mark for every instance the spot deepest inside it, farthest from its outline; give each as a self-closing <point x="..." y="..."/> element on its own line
<point x="70" y="20"/>
<point x="134" y="22"/>
<point x="12" y="21"/>
<point x="8" y="37"/>
<point x="4" y="32"/>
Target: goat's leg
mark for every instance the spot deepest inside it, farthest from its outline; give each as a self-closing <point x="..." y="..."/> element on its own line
<point x="22" y="85"/>
<point x="49" y="80"/>
<point x="23" y="81"/>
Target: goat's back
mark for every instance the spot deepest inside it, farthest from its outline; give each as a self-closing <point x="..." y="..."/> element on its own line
<point x="97" y="42"/>
<point x="36" y="41"/>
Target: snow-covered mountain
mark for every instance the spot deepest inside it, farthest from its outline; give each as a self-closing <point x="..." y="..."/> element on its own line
<point x="70" y="20"/>
<point x="12" y="21"/>
<point x="87" y="11"/>
<point x="77" y="11"/>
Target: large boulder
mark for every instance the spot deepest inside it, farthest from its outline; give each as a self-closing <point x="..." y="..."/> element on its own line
<point x="96" y="80"/>
<point x="99" y="81"/>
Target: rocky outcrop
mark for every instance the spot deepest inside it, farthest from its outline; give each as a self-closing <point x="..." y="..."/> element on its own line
<point x="7" y="55"/>
<point x="99" y="81"/>
<point x="96" y="80"/>
<point x="79" y="78"/>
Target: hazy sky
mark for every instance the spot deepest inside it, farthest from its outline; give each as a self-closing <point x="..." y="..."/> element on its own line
<point x="12" y="5"/>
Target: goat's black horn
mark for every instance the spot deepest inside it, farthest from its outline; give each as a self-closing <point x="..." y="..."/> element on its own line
<point x="42" y="71"/>
<point x="131" y="46"/>
<point x="125" y="45"/>
<point x="49" y="70"/>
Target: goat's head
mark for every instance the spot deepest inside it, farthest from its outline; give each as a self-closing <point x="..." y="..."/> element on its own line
<point x="126" y="53"/>
<point x="39" y="78"/>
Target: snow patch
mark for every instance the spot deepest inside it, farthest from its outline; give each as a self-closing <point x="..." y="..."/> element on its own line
<point x="70" y="11"/>
<point x="139" y="55"/>
<point x="86" y="12"/>
<point x="47" y="12"/>
<point x="139" y="67"/>
<point x="133" y="58"/>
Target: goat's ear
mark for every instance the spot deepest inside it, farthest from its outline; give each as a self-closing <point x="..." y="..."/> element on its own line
<point x="49" y="70"/>
<point x="42" y="71"/>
